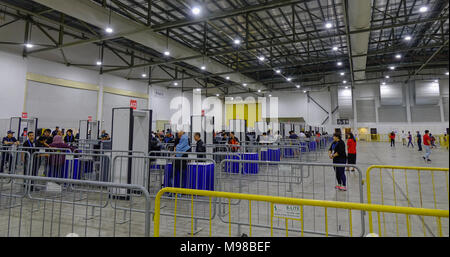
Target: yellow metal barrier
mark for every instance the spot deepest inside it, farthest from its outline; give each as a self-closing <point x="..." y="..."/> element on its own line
<point x="294" y="202"/>
<point x="419" y="189"/>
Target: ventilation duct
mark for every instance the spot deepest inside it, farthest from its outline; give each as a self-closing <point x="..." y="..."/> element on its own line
<point x="359" y="13"/>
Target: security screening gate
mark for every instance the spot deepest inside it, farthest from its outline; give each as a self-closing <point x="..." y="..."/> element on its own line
<point x="17" y="124"/>
<point x="89" y="129"/>
<point x="130" y="131"/>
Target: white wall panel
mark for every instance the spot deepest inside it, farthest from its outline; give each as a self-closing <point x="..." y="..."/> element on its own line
<point x="391" y="94"/>
<point x="425" y="113"/>
<point x="59" y="106"/>
<point x="13" y="71"/>
<point x="427" y="92"/>
<point x="345" y="103"/>
<point x="392" y="114"/>
<point x="365" y="110"/>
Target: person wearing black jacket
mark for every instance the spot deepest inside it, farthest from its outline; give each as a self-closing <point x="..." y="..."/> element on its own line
<point x="337" y="153"/>
<point x="30" y="145"/>
<point x="199" y="147"/>
<point x="69" y="138"/>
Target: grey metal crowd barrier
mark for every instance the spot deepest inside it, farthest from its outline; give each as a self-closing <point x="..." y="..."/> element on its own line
<point x="287" y="179"/>
<point x="57" y="212"/>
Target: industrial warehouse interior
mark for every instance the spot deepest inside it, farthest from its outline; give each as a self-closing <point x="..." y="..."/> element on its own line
<point x="224" y="118"/>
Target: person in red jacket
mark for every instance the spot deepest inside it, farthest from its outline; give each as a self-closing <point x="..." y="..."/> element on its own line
<point x="351" y="150"/>
<point x="392" y="137"/>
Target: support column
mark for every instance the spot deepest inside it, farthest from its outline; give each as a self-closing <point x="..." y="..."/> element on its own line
<point x="441" y="108"/>
<point x="355" y="119"/>
<point x="100" y="101"/>
<point x="408" y="103"/>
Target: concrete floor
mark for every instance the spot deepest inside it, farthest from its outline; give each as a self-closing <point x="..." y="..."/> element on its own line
<point x="34" y="217"/>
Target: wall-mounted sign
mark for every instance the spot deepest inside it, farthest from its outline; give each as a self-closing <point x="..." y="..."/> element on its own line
<point x="159" y="93"/>
<point x="343" y="122"/>
<point x="203" y="112"/>
<point x="24" y="115"/>
<point x="133" y="104"/>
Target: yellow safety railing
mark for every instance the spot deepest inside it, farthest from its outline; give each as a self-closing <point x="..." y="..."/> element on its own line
<point x="443" y="141"/>
<point x="397" y="189"/>
<point x="301" y="203"/>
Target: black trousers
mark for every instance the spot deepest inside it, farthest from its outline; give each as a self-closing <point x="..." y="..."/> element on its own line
<point x="392" y="142"/>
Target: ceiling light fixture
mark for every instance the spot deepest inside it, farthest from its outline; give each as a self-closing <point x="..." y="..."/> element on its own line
<point x="398" y="56"/>
<point x="175" y="83"/>
<point x="335" y="48"/>
<point x="28" y="45"/>
<point x="196" y="10"/>
<point x="387" y="76"/>
<point x="261" y="58"/>
<point x="407" y="38"/>
<point x="392" y="67"/>
<point x="217" y="95"/>
<point x="345" y="81"/>
<point x="237" y="41"/>
<point x="144" y="75"/>
<point x="203" y="67"/>
<point x="423" y="9"/>
<point x="244" y="84"/>
<point x="298" y="86"/>
<point x="278" y="71"/>
<point x="109" y="30"/>
<point x="227" y="78"/>
<point x="99" y="63"/>
<point x="446" y="73"/>
<point x="259" y="90"/>
<point x="198" y="89"/>
<point x="339" y="63"/>
<point x="342" y="73"/>
<point x="166" y="53"/>
<point x="384" y="83"/>
<point x="328" y="25"/>
<point x="289" y="79"/>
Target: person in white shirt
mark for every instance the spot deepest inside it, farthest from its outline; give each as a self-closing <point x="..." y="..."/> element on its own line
<point x="403" y="138"/>
<point x="302" y="134"/>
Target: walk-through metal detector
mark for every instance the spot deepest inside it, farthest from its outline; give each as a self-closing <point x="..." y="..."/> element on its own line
<point x="86" y="126"/>
<point x="17" y="124"/>
<point x="239" y="127"/>
<point x="130" y="131"/>
<point x="260" y="128"/>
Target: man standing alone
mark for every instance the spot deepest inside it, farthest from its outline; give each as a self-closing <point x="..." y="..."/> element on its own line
<point x="427" y="145"/>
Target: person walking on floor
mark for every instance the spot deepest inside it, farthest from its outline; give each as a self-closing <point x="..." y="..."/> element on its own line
<point x="427" y="146"/>
<point x="403" y="138"/>
<point x="337" y="154"/>
<point x="419" y="141"/>
<point x="410" y="140"/>
<point x="392" y="137"/>
<point x="351" y="150"/>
